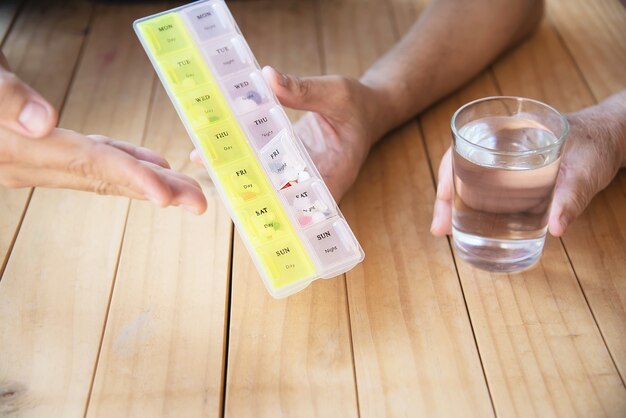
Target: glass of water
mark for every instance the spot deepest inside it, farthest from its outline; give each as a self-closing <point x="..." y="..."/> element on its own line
<point x="506" y="157"/>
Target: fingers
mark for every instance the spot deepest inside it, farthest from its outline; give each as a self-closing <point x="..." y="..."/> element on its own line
<point x="186" y="192"/>
<point x="442" y="214"/>
<point x="96" y="160"/>
<point x="66" y="159"/>
<point x="18" y="176"/>
<point x="22" y="109"/>
<point x="303" y="93"/>
<point x="571" y="197"/>
<point x="591" y="159"/>
<point x="162" y="186"/>
<point x="195" y="158"/>
<point x="140" y="153"/>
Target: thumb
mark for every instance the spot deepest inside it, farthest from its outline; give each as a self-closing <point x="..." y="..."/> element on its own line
<point x="442" y="213"/>
<point x="23" y="110"/>
<point x="571" y="197"/>
<point x="301" y="93"/>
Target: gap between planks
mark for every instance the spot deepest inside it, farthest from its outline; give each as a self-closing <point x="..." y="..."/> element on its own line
<point x="106" y="314"/>
<point x="119" y="251"/>
<point x="79" y="58"/>
<point x="319" y="32"/>
<point x="581" y="74"/>
<point x="454" y="260"/>
<point x="17" y="8"/>
<point x="431" y="167"/>
<point x="5" y="35"/>
<point x="227" y="314"/>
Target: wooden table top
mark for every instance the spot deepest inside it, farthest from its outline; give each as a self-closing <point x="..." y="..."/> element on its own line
<point x="111" y="307"/>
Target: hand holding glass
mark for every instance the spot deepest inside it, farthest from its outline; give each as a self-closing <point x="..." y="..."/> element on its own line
<point x="506" y="156"/>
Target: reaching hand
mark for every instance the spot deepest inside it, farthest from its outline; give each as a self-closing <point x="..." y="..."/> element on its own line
<point x="595" y="149"/>
<point x="33" y="153"/>
<point x="340" y="127"/>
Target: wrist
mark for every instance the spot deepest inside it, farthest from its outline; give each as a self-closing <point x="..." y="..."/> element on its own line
<point x="614" y="111"/>
<point x="381" y="108"/>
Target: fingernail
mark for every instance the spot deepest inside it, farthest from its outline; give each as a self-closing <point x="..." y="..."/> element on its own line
<point x="34" y="117"/>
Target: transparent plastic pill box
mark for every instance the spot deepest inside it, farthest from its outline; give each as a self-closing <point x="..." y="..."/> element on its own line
<point x="287" y="218"/>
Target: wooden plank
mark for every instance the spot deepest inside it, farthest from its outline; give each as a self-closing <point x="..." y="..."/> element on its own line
<point x="48" y="68"/>
<point x="8" y="12"/>
<point x="169" y="303"/>
<point x="414" y="350"/>
<point x="541" y="350"/>
<point x="405" y="13"/>
<point x="596" y="241"/>
<point x="289" y="357"/>
<point x="56" y="287"/>
<point x="602" y="264"/>
<point x="593" y="31"/>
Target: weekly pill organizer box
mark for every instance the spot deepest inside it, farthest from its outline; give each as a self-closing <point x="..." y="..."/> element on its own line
<point x="282" y="209"/>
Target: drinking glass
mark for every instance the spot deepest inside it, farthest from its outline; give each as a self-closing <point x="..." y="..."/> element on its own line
<point x="506" y="157"/>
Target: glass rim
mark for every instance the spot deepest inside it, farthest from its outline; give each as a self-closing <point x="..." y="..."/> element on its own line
<point x="555" y="144"/>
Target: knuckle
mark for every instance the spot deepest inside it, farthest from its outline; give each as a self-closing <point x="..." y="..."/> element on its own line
<point x="102" y="188"/>
<point x="82" y="164"/>
<point x="303" y="86"/>
<point x="344" y="89"/>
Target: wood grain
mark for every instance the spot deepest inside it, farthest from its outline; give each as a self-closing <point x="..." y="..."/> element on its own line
<point x="541" y="350"/>
<point x="289" y="357"/>
<point x="414" y="350"/>
<point x="404" y="13"/>
<point x="48" y="68"/>
<point x="598" y="239"/>
<point x="8" y="12"/>
<point x="56" y="286"/>
<point x="393" y="339"/>
<point x="596" y="242"/>
<point x="169" y="302"/>
<point x="593" y="32"/>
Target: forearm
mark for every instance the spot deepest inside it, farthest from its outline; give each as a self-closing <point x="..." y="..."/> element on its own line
<point x="451" y="42"/>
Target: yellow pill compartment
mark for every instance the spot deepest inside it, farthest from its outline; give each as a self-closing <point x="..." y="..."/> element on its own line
<point x="243" y="181"/>
<point x="223" y="143"/>
<point x="203" y="106"/>
<point x="263" y="220"/>
<point x="165" y="34"/>
<point x="285" y="261"/>
<point x="184" y="70"/>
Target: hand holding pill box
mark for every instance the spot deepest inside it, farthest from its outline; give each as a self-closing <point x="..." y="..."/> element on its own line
<point x="279" y="203"/>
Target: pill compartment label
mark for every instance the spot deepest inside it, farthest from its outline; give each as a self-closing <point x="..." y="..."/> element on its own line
<point x="276" y="198"/>
<point x="264" y="125"/>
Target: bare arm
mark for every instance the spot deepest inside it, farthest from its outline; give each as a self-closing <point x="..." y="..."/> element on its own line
<point x="451" y="42"/>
